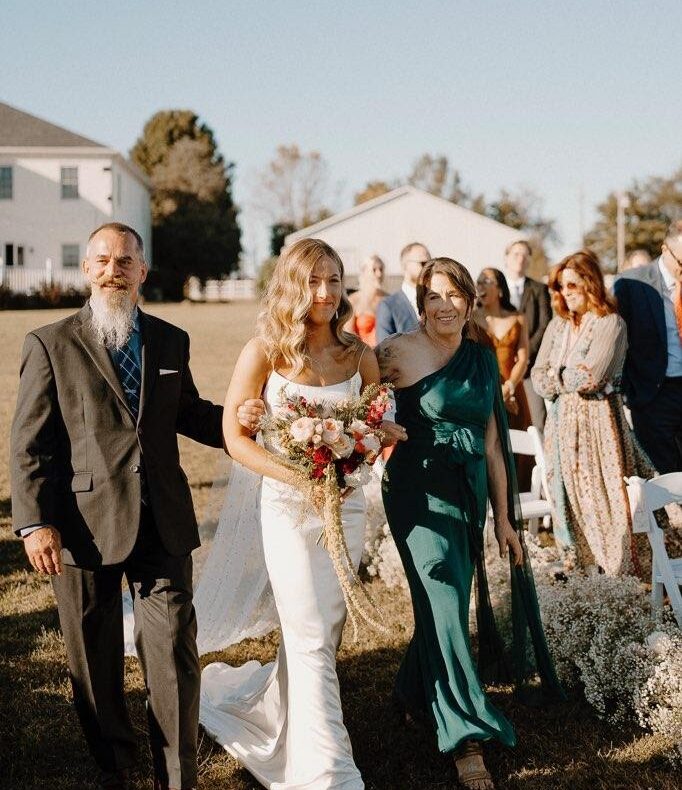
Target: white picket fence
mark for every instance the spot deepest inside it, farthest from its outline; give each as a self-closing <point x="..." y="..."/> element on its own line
<point x="21" y="280"/>
<point x="221" y="290"/>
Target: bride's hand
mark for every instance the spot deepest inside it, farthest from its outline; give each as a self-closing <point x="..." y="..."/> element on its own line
<point x="249" y="414"/>
<point x="506" y="537"/>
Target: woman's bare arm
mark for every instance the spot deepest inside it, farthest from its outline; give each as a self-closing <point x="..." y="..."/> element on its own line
<point x="497" y="488"/>
<point x="248" y="380"/>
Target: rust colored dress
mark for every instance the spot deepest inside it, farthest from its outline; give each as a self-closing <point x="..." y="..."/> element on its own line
<point x="364" y="326"/>
<point x="506" y="349"/>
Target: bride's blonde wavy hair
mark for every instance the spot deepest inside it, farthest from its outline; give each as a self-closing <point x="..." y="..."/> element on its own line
<point x="281" y="325"/>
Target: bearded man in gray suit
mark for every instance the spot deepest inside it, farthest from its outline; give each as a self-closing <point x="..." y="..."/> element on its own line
<point x="98" y="493"/>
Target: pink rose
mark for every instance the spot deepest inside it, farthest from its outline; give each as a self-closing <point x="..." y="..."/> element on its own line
<point x="331" y="431"/>
<point x="302" y="429"/>
<point x="343" y="447"/>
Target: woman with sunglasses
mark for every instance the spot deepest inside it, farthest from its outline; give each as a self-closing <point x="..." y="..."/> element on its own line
<point x="507" y="330"/>
<point x="590" y="447"/>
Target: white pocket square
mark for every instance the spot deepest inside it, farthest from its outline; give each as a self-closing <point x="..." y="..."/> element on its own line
<point x="164" y="372"/>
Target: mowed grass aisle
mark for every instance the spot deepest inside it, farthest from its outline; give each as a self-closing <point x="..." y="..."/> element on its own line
<point x="40" y="740"/>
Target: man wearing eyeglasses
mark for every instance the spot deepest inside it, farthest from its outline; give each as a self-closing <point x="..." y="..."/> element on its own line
<point x="650" y="301"/>
<point x="398" y="312"/>
<point x="531" y="298"/>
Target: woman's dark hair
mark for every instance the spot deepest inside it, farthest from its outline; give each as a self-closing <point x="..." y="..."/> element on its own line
<point x="462" y="281"/>
<point x="503" y="285"/>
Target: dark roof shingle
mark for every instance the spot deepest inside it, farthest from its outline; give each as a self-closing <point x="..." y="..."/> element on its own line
<point x="19" y="128"/>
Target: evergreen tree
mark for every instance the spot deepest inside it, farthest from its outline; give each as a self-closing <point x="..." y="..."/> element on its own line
<point x="194" y="219"/>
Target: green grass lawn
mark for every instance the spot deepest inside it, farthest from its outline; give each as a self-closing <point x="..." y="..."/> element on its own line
<point x="562" y="746"/>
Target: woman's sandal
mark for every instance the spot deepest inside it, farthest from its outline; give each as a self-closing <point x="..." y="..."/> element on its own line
<point x="472" y="778"/>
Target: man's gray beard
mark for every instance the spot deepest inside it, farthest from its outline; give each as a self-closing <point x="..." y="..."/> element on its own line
<point x="112" y="319"/>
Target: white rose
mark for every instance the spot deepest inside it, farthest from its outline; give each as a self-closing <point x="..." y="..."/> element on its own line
<point x="331" y="431"/>
<point x="658" y="642"/>
<point x="358" y="428"/>
<point x="343" y="447"/>
<point x="369" y="444"/>
<point x="302" y="429"/>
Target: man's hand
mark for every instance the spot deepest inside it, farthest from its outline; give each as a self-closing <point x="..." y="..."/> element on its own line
<point x="43" y="548"/>
<point x="393" y="433"/>
<point x="250" y="413"/>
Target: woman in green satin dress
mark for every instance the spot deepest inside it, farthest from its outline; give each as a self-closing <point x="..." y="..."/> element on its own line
<point x="436" y="487"/>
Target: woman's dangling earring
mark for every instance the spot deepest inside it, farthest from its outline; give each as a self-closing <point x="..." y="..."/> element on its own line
<point x="336" y="314"/>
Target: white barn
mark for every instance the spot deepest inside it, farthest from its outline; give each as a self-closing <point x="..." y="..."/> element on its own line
<point x="55" y="188"/>
<point x="384" y="225"/>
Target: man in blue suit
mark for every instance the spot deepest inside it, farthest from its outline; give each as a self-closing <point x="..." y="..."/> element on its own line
<point x="398" y="312"/>
<point x="650" y="301"/>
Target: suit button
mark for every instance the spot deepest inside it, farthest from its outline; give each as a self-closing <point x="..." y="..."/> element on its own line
<point x="135" y="468"/>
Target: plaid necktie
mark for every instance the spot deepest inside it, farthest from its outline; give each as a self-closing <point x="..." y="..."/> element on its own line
<point x="129" y="375"/>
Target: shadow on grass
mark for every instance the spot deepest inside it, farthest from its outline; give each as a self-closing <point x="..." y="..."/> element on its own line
<point x="560" y="745"/>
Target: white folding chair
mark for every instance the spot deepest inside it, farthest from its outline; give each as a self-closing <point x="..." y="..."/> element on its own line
<point x="666" y="574"/>
<point x="535" y="504"/>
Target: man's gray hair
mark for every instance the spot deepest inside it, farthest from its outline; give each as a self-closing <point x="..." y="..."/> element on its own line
<point x="119" y="227"/>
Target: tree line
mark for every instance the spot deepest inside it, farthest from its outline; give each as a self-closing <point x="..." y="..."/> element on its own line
<point x="195" y="220"/>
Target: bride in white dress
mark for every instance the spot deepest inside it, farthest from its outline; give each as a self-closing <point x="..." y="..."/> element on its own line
<point x="283" y="721"/>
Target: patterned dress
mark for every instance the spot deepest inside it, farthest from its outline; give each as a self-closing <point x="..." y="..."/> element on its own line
<point x="589" y="444"/>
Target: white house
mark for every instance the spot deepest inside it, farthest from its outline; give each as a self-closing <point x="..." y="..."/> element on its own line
<point x="55" y="188"/>
<point x="384" y="225"/>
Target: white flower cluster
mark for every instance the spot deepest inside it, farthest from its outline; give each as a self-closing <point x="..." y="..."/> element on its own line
<point x="598" y="628"/>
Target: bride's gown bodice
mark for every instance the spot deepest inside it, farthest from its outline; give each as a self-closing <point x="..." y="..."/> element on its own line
<point x="283" y="721"/>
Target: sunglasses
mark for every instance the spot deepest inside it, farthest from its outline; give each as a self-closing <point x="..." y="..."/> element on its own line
<point x="486" y="281"/>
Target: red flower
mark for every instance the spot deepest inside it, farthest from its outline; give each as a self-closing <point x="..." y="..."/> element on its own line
<point x="318" y="472"/>
<point x="322" y="456"/>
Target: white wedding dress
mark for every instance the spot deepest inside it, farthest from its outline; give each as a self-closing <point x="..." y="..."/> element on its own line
<point x="283" y="721"/>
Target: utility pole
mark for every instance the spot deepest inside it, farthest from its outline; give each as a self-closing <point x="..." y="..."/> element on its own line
<point x="622" y="202"/>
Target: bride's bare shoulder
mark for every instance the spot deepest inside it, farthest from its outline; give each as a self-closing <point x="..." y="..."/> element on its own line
<point x="254" y="356"/>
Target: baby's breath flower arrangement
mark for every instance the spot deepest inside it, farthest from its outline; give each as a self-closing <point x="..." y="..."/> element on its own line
<point x="333" y="445"/>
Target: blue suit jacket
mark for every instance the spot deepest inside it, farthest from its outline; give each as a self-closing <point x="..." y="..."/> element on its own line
<point x="640" y="302"/>
<point x="395" y="314"/>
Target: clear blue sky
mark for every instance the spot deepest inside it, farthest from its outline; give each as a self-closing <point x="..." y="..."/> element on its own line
<point x="553" y="96"/>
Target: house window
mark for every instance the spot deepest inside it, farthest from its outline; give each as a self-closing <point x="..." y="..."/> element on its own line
<point x="5" y="183"/>
<point x="70" y="255"/>
<point x="69" y="182"/>
<point x="20" y="256"/>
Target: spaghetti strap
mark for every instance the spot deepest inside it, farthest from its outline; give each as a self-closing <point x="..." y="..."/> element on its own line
<point x="362" y="354"/>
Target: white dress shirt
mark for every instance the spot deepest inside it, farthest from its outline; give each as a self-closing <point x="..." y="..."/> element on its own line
<point x="516" y="291"/>
<point x="672" y="333"/>
<point x="410" y="292"/>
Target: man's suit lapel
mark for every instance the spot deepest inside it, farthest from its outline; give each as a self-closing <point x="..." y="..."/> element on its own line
<point x="151" y="343"/>
<point x="99" y="354"/>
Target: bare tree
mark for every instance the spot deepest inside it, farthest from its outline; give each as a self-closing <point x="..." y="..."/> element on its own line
<point x="293" y="187"/>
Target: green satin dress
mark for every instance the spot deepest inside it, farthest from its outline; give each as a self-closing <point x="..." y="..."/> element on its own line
<point x="435" y="493"/>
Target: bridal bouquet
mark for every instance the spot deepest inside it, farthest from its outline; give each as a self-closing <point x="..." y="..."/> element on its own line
<point x="333" y="444"/>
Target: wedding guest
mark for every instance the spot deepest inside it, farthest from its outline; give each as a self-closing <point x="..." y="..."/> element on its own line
<point x="506" y="328"/>
<point x="435" y="488"/>
<point x="398" y="312"/>
<point x="531" y="298"/>
<point x="366" y="299"/>
<point x="650" y="301"/>
<point x="590" y="447"/>
<point x="636" y="258"/>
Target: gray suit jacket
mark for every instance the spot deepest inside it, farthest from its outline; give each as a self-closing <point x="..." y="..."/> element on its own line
<point x="77" y="452"/>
